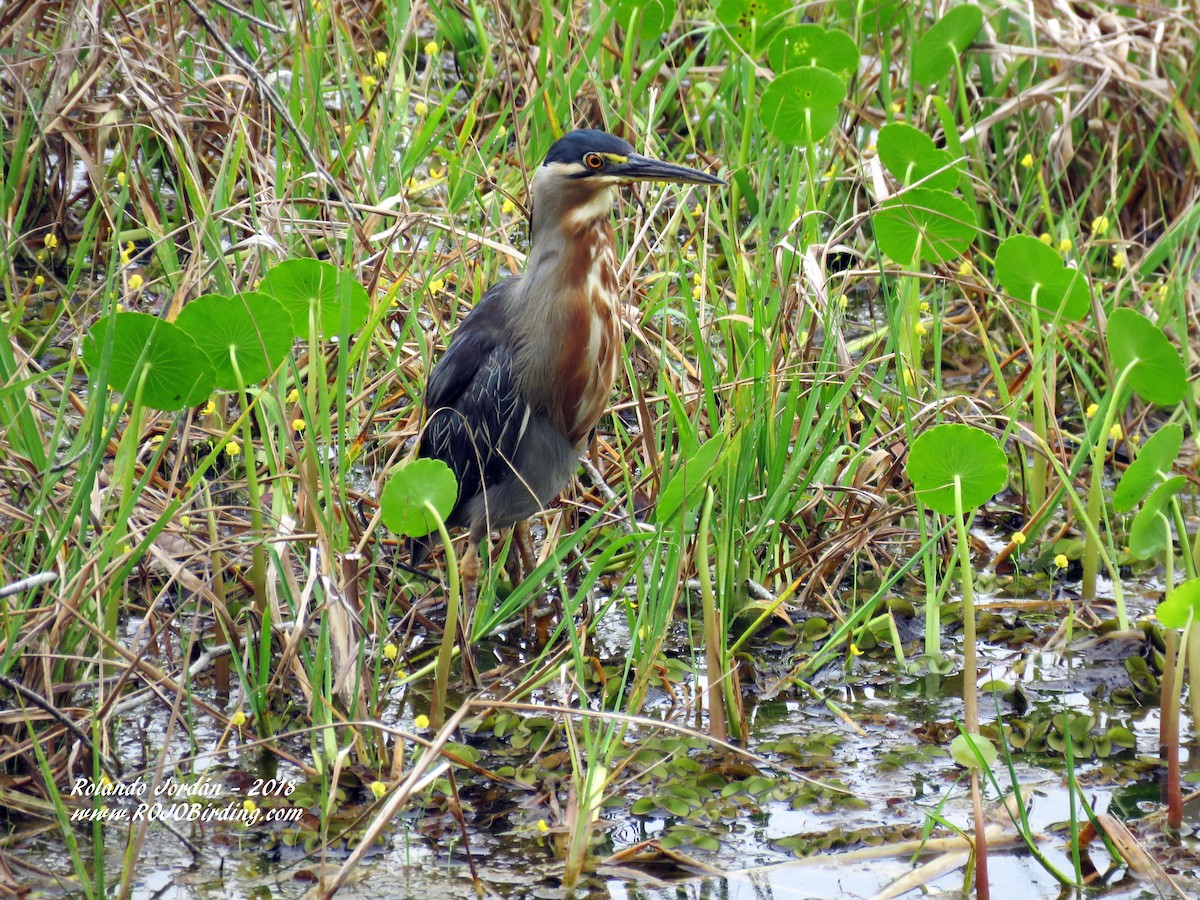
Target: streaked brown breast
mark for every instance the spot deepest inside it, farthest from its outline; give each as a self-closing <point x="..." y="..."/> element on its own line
<point x="591" y="347"/>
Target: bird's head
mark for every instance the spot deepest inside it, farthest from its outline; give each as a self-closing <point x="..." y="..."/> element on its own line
<point x="602" y="159"/>
<point x="573" y="187"/>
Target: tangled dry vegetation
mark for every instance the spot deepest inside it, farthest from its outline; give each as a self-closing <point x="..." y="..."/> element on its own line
<point x="156" y="152"/>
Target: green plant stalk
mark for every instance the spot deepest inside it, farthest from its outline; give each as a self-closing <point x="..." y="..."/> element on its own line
<point x="1191" y="635"/>
<point x="1037" y="386"/>
<point x="123" y="471"/>
<point x="933" y="610"/>
<point x="258" y="553"/>
<point x="437" y="710"/>
<point x="590" y="779"/>
<point x="1095" y="506"/>
<point x="1018" y="813"/>
<point x="1090" y="527"/>
<point x="908" y="339"/>
<point x="1072" y="793"/>
<point x="970" y="663"/>
<point x="93" y="885"/>
<point x="715" y="662"/>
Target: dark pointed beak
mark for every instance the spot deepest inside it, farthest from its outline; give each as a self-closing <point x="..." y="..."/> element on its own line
<point x="643" y="168"/>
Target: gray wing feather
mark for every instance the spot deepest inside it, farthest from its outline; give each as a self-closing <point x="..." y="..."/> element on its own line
<point x="475" y="411"/>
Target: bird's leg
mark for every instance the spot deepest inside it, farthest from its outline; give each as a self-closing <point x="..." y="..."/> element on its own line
<point x="524" y="541"/>
<point x="512" y="562"/>
<point x="468" y="573"/>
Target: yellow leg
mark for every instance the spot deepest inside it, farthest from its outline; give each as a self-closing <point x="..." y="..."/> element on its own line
<point x="524" y="541"/>
<point x="468" y="573"/>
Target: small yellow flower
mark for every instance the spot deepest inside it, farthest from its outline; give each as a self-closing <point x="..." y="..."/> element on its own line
<point x="39" y="280"/>
<point x="1045" y="238"/>
<point x="854" y="651"/>
<point x="299" y="424"/>
<point x="238" y="719"/>
<point x="843" y="301"/>
<point x="119" y="306"/>
<point x="501" y="132"/>
<point x="804" y="337"/>
<point x="381" y="58"/>
<point x="542" y="827"/>
<point x="369" y="82"/>
<point x="126" y="256"/>
<point x="1061" y="561"/>
<point x="897" y="107"/>
<point x="697" y="278"/>
<point x="436" y="173"/>
<point x="1099" y="225"/>
<point x="421" y="722"/>
<point x="1135" y="438"/>
<point x="964" y="268"/>
<point x="391" y="651"/>
<point x="126" y="549"/>
<point x="1027" y="161"/>
<point x="209" y="408"/>
<point x="1092" y="409"/>
<point x="249" y="806"/>
<point x="233" y="448"/>
<point x="420" y="108"/>
<point x="105" y="781"/>
<point x="1116" y="432"/>
<point x="378" y="788"/>
<point x="923" y="307"/>
<point x="114" y="408"/>
<point x="507" y="208"/>
<point x="1018" y="538"/>
<point x="433" y="48"/>
<point x="155" y="440"/>
<point x="1120" y="261"/>
<point x="293" y="396"/>
<point x="920" y="330"/>
<point x="185" y="521"/>
<point x="122" y="178"/>
<point x="135" y="282"/>
<point x="1066" y="245"/>
<point x="437" y="285"/>
<point x="697" y="292"/>
<point x="50" y="241"/>
<point x="908" y="378"/>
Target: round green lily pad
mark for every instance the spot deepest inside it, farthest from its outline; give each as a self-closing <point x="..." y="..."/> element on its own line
<point x="812" y="45"/>
<point x="910" y="155"/>
<point x="1034" y="272"/>
<point x="254" y="328"/>
<point x="1181" y="603"/>
<point x="945" y="42"/>
<point x="802" y="106"/>
<point x="402" y="502"/>
<point x="952" y="453"/>
<point x="173" y="371"/>
<point x="311" y="287"/>
<point x="1155" y="370"/>
<point x="1153" y="463"/>
<point x="924" y="224"/>
<point x="963" y="748"/>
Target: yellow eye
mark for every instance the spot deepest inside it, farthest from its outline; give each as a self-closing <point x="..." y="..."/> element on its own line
<point x="593" y="161"/>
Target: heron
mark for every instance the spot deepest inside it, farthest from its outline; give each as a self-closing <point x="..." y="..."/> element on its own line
<point x="530" y="370"/>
